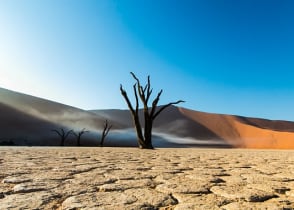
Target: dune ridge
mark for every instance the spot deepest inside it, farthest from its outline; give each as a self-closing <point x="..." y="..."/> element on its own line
<point x="243" y="133"/>
<point x="31" y="119"/>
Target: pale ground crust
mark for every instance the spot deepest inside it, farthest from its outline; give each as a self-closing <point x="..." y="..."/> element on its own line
<point x="130" y="178"/>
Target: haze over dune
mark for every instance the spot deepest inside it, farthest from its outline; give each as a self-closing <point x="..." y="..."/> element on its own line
<point x="28" y="120"/>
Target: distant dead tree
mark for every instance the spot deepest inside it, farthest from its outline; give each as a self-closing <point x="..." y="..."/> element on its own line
<point x="62" y="134"/>
<point x="79" y="135"/>
<point x="9" y="142"/>
<point x="105" y="131"/>
<point x="150" y="113"/>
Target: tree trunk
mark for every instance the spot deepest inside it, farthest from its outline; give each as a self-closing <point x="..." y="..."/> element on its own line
<point x="140" y="137"/>
<point x="62" y="142"/>
<point x="148" y="138"/>
<point x="148" y="132"/>
<point x="102" y="140"/>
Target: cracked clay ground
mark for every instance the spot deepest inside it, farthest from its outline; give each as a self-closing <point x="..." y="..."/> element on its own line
<point x="129" y="178"/>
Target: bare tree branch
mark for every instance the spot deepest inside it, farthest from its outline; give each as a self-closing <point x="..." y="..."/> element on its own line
<point x="141" y="90"/>
<point x="142" y="94"/>
<point x="58" y="133"/>
<point x="79" y="135"/>
<point x="124" y="93"/>
<point x="145" y="88"/>
<point x="69" y="132"/>
<point x="155" y="102"/>
<point x="136" y="78"/>
<point x="149" y="92"/>
<point x="136" y="98"/>
<point x="165" y="106"/>
<point x="62" y="134"/>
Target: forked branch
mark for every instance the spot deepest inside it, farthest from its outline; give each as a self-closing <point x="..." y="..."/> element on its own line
<point x="79" y="135"/>
<point x="62" y="134"/>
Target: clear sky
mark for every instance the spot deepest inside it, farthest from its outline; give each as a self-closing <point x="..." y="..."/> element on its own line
<point x="222" y="56"/>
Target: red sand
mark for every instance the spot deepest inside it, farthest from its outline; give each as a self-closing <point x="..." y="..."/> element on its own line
<point x="241" y="134"/>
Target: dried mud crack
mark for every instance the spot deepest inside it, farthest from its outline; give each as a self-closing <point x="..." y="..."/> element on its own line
<point x="129" y="178"/>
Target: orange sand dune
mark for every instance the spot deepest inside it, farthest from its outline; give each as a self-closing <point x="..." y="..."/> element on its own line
<point x="240" y="133"/>
<point x="253" y="137"/>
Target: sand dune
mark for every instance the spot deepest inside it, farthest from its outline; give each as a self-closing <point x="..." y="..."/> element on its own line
<point x="246" y="132"/>
<point x="29" y="120"/>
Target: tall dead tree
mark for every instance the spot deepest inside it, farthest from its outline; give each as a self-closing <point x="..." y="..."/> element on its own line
<point x="79" y="136"/>
<point x="150" y="113"/>
<point x="62" y="134"/>
<point x="105" y="131"/>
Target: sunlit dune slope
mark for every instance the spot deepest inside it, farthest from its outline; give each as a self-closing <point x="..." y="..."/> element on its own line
<point x="246" y="132"/>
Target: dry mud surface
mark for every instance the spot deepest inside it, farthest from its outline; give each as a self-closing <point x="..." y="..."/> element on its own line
<point x="129" y="178"/>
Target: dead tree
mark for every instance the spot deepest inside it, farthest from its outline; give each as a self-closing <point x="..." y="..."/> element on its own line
<point x="62" y="134"/>
<point x="79" y="135"/>
<point x="105" y="131"/>
<point x="150" y="113"/>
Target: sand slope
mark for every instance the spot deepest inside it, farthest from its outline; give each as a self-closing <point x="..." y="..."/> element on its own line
<point x="29" y="120"/>
<point x="32" y="119"/>
<point x="246" y="132"/>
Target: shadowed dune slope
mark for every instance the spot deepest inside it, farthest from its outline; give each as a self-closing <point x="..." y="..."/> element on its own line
<point x="20" y="127"/>
<point x="48" y="110"/>
<point x="29" y="120"/>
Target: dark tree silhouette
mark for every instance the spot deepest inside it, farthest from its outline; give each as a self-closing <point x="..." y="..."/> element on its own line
<point x="79" y="135"/>
<point x="62" y="134"/>
<point x="9" y="142"/>
<point x="150" y="113"/>
<point x="105" y="131"/>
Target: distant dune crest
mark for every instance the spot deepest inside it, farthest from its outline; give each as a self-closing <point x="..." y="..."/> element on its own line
<point x="28" y="120"/>
<point x="246" y="132"/>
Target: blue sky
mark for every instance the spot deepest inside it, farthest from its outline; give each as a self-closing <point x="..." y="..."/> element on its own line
<point x="220" y="56"/>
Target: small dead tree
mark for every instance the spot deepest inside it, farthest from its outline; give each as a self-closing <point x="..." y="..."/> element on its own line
<point x="62" y="134"/>
<point x="150" y="113"/>
<point x="79" y="135"/>
<point x="105" y="131"/>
